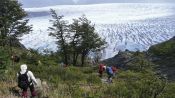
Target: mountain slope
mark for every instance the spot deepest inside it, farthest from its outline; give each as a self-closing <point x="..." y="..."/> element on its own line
<point x="162" y="55"/>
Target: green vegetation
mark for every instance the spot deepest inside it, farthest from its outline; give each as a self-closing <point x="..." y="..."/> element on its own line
<point x="12" y="22"/>
<point x="75" y="40"/>
<point x="164" y="49"/>
<point x="163" y="55"/>
<point x="79" y="82"/>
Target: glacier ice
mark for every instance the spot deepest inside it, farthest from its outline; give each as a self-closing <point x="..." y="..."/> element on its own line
<point x="133" y="26"/>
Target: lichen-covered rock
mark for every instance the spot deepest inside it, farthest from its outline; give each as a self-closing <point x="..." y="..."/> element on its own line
<point x="41" y="89"/>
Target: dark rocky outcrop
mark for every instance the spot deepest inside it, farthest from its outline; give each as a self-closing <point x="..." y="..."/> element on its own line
<point x="163" y="54"/>
<point x="119" y="60"/>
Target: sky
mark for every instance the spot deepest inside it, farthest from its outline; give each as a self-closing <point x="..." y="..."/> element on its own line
<point x="42" y="3"/>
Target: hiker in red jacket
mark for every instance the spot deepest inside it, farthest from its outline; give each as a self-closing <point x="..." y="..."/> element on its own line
<point x="101" y="70"/>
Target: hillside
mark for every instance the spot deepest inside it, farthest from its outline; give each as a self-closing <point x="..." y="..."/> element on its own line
<point x="162" y="55"/>
<point x="136" y="74"/>
<point x="139" y="79"/>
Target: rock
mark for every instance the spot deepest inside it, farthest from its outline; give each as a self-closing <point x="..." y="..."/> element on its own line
<point x="42" y="89"/>
<point x="120" y="59"/>
<point x="15" y="91"/>
<point x="39" y="88"/>
<point x="45" y="88"/>
<point x="173" y="38"/>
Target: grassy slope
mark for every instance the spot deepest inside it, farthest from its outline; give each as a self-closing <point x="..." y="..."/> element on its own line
<point x="139" y="80"/>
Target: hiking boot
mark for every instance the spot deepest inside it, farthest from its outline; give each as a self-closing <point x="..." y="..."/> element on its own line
<point x="34" y="94"/>
<point x="24" y="94"/>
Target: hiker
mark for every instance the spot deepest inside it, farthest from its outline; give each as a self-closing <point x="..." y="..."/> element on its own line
<point x="110" y="70"/>
<point x="62" y="65"/>
<point x="101" y="70"/>
<point x="15" y="58"/>
<point x="26" y="80"/>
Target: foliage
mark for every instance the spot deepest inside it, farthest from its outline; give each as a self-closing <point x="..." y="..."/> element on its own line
<point x="164" y="49"/>
<point x="85" y="37"/>
<point x="3" y="60"/>
<point x="80" y="82"/>
<point x="140" y="63"/>
<point x="59" y="30"/>
<point x="76" y="39"/>
<point x="93" y="79"/>
<point x="136" y="85"/>
<point x="12" y="22"/>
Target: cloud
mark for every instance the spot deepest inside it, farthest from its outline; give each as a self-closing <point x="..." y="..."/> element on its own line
<point x="75" y="1"/>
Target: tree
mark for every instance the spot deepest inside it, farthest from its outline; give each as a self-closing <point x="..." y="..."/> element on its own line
<point x="75" y="39"/>
<point x="12" y="22"/>
<point x="90" y="40"/>
<point x="60" y="30"/>
<point x="3" y="60"/>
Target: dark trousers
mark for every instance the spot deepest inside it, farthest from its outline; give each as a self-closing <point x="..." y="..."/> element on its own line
<point x="110" y="76"/>
<point x="32" y="90"/>
<point x="100" y="73"/>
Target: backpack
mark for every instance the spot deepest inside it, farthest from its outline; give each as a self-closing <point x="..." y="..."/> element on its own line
<point x="109" y="70"/>
<point x="16" y="59"/>
<point x="23" y="81"/>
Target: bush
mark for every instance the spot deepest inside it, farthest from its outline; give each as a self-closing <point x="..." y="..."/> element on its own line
<point x="93" y="79"/>
<point x="164" y="49"/>
<point x="4" y="61"/>
<point x="136" y="85"/>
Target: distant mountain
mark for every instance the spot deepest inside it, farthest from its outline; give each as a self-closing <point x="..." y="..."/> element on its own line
<point x="41" y="3"/>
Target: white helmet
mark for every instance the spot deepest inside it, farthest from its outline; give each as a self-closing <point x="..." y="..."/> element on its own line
<point x="23" y="67"/>
<point x="104" y="67"/>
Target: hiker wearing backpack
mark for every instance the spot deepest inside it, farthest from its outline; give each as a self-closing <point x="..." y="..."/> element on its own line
<point x="110" y="70"/>
<point x="15" y="58"/>
<point x="101" y="70"/>
<point x="26" y="80"/>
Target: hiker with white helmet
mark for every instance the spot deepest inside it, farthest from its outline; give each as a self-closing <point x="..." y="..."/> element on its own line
<point x="26" y="80"/>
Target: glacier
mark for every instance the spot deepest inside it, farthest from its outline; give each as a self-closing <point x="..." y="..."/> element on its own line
<point x="132" y="26"/>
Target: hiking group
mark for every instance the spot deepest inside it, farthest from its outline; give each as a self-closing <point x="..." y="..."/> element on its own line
<point x="26" y="80"/>
<point x="110" y="70"/>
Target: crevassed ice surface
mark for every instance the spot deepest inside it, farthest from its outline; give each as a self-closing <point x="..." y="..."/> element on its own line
<point x="132" y="26"/>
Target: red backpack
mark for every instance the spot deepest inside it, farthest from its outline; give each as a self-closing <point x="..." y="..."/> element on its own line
<point x="101" y="67"/>
<point x="114" y="69"/>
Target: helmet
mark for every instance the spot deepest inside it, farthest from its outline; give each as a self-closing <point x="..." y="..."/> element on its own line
<point x="104" y="67"/>
<point x="23" y="67"/>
